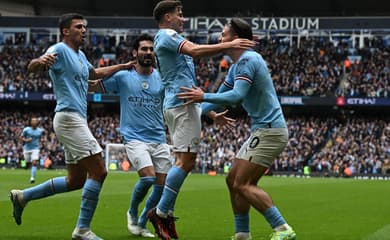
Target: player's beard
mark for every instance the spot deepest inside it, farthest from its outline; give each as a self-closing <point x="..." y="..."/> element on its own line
<point x="146" y="61"/>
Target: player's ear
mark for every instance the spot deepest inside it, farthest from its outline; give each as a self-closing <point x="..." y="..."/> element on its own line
<point x="65" y="31"/>
<point x="167" y="17"/>
<point x="134" y="53"/>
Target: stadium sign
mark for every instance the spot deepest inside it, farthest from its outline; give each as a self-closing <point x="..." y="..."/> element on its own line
<point x="284" y="100"/>
<point x="48" y="96"/>
<point x="206" y="23"/>
<point x="307" y="101"/>
<point x="292" y="23"/>
<point x="362" y="101"/>
<point x="291" y="100"/>
<point x="213" y="23"/>
<point x="8" y="96"/>
<point x="28" y="96"/>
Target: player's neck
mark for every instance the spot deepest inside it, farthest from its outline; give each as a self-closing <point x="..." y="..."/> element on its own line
<point x="143" y="70"/>
<point x="167" y="26"/>
<point x="72" y="45"/>
<point x="236" y="54"/>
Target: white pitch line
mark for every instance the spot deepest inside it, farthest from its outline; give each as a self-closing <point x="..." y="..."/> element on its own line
<point x="380" y="234"/>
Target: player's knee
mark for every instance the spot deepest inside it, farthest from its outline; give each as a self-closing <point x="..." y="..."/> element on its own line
<point x="160" y="179"/>
<point x="101" y="176"/>
<point x="240" y="188"/>
<point x="189" y="166"/>
<point x="229" y="181"/>
<point x="75" y="183"/>
<point x="186" y="161"/>
<point x="185" y="165"/>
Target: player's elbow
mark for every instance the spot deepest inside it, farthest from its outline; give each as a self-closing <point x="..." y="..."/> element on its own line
<point x="34" y="67"/>
<point x="196" y="54"/>
<point x="192" y="50"/>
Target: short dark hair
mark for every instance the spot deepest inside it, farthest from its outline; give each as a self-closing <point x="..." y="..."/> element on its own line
<point x="142" y="37"/>
<point x="66" y="20"/>
<point x="163" y="7"/>
<point x="241" y="27"/>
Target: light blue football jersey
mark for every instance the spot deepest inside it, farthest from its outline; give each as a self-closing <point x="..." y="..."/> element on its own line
<point x="35" y="134"/>
<point x="141" y="99"/>
<point x="69" y="74"/>
<point x="249" y="78"/>
<point x="176" y="69"/>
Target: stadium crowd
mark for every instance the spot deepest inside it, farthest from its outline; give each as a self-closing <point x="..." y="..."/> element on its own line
<point x="314" y="68"/>
<point x="370" y="76"/>
<point x="324" y="144"/>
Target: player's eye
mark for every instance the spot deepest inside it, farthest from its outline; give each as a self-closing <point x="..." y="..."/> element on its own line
<point x="80" y="26"/>
<point x="146" y="49"/>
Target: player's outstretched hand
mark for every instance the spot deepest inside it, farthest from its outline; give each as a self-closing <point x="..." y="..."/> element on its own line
<point x="223" y="121"/>
<point x="130" y="64"/>
<point x="191" y="95"/>
<point x="47" y="60"/>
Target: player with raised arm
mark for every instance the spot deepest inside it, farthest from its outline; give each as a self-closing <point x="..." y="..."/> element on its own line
<point x="69" y="71"/>
<point x="143" y="130"/>
<point x="248" y="82"/>
<point x="174" y="55"/>
<point x="30" y="137"/>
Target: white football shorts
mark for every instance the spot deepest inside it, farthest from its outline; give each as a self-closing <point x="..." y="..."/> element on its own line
<point x="30" y="155"/>
<point x="143" y="155"/>
<point x="264" y="145"/>
<point x="184" y="126"/>
<point x="72" y="131"/>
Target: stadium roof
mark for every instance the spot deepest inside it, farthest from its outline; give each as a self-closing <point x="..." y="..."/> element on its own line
<point x="274" y="8"/>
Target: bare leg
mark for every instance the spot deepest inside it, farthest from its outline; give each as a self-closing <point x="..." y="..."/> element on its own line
<point x="244" y="183"/>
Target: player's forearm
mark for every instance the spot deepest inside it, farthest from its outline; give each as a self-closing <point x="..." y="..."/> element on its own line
<point x="198" y="51"/>
<point x="227" y="98"/>
<point x="36" y="65"/>
<point x="207" y="107"/>
<point x="95" y="86"/>
<point x="23" y="139"/>
<point x="104" y="72"/>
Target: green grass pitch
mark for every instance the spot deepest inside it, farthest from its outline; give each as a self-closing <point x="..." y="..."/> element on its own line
<point x="317" y="208"/>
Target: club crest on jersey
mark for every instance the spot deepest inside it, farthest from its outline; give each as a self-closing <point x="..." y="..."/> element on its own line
<point x="171" y="32"/>
<point x="145" y="85"/>
<point x="195" y="141"/>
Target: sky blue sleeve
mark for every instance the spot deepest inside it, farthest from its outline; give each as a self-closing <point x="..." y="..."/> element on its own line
<point x="231" y="97"/>
<point x="171" y="40"/>
<point x="111" y="84"/>
<point x="60" y="51"/>
<point x="89" y="65"/>
<point x="241" y="73"/>
<point x="24" y="132"/>
<point x="224" y="87"/>
<point x="207" y="107"/>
